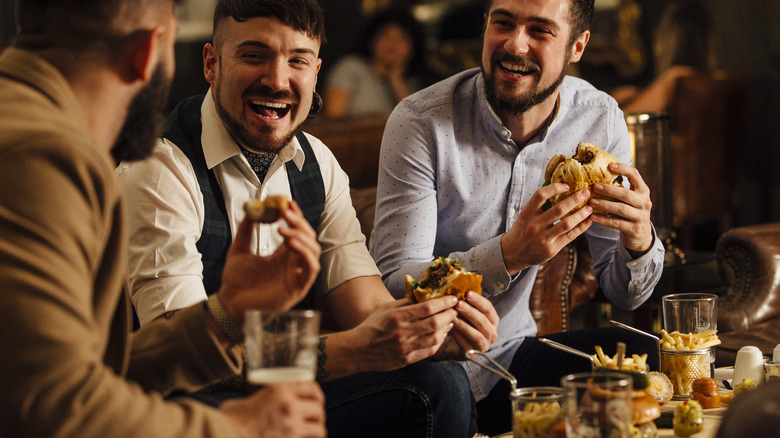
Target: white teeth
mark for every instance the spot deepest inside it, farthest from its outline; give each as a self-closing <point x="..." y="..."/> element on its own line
<point x="269" y="104"/>
<point x="513" y="68"/>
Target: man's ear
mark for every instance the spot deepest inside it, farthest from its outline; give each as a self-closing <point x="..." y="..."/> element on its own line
<point x="146" y="56"/>
<point x="209" y="62"/>
<point x="578" y="48"/>
<point x="317" y="71"/>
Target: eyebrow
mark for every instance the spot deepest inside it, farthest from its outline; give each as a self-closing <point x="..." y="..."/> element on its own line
<point x="262" y="45"/>
<point x="542" y="20"/>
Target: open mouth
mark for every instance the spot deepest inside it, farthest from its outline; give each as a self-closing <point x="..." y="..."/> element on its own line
<point x="270" y="110"/>
<point x="517" y="69"/>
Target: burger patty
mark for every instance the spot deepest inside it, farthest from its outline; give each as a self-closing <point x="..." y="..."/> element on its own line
<point x="437" y="276"/>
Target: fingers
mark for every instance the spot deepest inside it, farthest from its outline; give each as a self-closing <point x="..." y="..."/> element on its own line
<point x="430" y="307"/>
<point x="635" y="179"/>
<point x="565" y="208"/>
<point x="243" y="240"/>
<point x="295" y="219"/>
<point x="477" y="326"/>
<point x="308" y="390"/>
<point x="484" y="308"/>
<point x="425" y="326"/>
<point x="293" y="409"/>
<point x="427" y="344"/>
<point x="544" y="193"/>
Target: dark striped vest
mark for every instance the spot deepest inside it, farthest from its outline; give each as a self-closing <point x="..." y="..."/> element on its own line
<point x="183" y="128"/>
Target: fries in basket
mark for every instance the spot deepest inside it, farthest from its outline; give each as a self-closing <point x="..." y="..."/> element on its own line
<point x="634" y="363"/>
<point x="686" y="357"/>
<point x="677" y="341"/>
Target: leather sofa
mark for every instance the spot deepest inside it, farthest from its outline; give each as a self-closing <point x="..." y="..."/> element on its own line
<point x="748" y="261"/>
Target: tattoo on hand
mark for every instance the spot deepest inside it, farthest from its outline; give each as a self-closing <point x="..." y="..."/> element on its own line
<point x="322" y="357"/>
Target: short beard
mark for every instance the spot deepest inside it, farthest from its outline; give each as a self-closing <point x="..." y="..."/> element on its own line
<point x="262" y="142"/>
<point x="144" y="121"/>
<point x="516" y="105"/>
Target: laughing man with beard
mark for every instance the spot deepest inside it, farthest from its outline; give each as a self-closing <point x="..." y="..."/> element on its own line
<point x="461" y="176"/>
<point x="242" y="140"/>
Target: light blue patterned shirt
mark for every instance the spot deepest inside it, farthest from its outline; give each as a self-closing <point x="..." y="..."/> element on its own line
<point x="452" y="182"/>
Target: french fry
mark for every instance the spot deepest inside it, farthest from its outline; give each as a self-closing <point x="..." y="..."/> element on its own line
<point x="634" y="363"/>
<point x="688" y="341"/>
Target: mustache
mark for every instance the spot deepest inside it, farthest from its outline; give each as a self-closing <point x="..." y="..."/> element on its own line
<point x="265" y="92"/>
<point x="524" y="62"/>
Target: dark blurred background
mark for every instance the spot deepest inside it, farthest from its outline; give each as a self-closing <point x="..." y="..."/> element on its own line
<point x="746" y="35"/>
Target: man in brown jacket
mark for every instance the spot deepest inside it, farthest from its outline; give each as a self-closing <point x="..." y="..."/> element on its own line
<point x="83" y="79"/>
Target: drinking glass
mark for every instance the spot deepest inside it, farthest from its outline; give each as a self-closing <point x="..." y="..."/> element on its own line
<point x="536" y="411"/>
<point x="280" y="346"/>
<point x="690" y="312"/>
<point x="597" y="405"/>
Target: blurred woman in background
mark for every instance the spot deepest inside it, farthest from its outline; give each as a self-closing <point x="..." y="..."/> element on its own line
<point x="683" y="45"/>
<point x="388" y="66"/>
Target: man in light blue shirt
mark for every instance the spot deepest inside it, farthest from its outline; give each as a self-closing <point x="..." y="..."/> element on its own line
<point x="461" y="175"/>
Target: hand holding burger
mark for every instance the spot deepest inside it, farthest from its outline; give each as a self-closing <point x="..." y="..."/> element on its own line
<point x="267" y="211"/>
<point x="443" y="277"/>
<point x="588" y="166"/>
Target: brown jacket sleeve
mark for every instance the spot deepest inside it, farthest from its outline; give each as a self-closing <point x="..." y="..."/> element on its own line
<point x="62" y="264"/>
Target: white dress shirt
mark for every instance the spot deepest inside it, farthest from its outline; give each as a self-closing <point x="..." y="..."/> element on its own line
<point x="166" y="216"/>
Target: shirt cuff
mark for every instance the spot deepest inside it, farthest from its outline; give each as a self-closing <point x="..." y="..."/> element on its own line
<point x="488" y="259"/>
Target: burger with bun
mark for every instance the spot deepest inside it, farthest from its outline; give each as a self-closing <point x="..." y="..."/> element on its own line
<point x="442" y="277"/>
<point x="588" y="166"/>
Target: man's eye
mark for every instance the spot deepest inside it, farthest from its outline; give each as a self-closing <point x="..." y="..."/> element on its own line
<point x="253" y="56"/>
<point x="502" y="23"/>
<point x="541" y="31"/>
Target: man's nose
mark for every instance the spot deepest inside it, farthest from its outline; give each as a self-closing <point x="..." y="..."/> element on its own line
<point x="276" y="76"/>
<point x="517" y="43"/>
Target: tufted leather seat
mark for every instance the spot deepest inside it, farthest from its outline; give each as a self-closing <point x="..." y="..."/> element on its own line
<point x="749" y="312"/>
<point x="562" y="284"/>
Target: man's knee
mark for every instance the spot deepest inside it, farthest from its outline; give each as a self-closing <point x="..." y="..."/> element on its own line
<point x="445" y="381"/>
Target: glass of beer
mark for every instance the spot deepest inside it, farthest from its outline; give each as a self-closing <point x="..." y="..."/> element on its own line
<point x="280" y="346"/>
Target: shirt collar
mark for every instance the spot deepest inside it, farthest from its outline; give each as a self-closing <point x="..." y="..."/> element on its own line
<point x="219" y="145"/>
<point x="504" y="132"/>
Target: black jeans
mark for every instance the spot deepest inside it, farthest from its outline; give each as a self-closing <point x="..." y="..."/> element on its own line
<point x="426" y="400"/>
<point x="538" y="364"/>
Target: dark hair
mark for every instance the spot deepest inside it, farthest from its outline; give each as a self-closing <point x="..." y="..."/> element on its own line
<point x="580" y="15"/>
<point x="684" y="37"/>
<point x="406" y="21"/>
<point x="303" y="15"/>
<point x="77" y="24"/>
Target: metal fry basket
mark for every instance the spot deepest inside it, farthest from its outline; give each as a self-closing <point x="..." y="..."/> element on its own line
<point x="683" y="367"/>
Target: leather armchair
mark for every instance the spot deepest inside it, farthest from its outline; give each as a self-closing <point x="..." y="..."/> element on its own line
<point x="749" y="313"/>
<point x="562" y="284"/>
